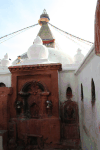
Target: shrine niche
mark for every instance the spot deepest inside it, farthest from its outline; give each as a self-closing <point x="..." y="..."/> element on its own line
<point x="31" y="102"/>
<point x="70" y="121"/>
<point x="69" y="93"/>
<point x="69" y="112"/>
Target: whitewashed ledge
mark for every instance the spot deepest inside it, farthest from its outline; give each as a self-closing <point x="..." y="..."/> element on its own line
<point x="4" y="70"/>
<point x="70" y="67"/>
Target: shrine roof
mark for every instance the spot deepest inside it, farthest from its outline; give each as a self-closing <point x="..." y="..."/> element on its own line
<point x="52" y="66"/>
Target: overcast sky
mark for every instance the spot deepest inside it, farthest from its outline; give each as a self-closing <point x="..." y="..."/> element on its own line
<point x="73" y="16"/>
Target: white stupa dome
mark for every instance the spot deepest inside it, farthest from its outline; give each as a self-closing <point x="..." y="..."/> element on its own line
<point x="40" y="54"/>
<point x="58" y="56"/>
<point x="37" y="50"/>
<point x="78" y="58"/>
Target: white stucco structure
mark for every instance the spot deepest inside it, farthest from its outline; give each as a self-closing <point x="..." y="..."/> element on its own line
<point x="45" y="55"/>
<point x="66" y="79"/>
<point x="78" y="58"/>
<point x="5" y="76"/>
<point x="37" y="50"/>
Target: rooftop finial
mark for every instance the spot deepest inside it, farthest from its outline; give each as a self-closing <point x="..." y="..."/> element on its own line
<point x="44" y="11"/>
<point x="44" y="17"/>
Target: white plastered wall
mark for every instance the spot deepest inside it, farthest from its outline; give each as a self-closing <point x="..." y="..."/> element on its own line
<point x="90" y="121"/>
<point x="66" y="79"/>
<point x="5" y="76"/>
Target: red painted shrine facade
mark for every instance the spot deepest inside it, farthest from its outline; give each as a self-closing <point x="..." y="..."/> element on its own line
<point x="30" y="110"/>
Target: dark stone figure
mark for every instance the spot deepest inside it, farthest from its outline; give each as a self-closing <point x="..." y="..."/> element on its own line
<point x="18" y="107"/>
<point x="69" y="113"/>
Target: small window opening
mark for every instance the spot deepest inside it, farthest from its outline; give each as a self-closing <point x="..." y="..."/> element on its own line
<point x="2" y="84"/>
<point x="93" y="92"/>
<point x="82" y="97"/>
<point x="69" y="93"/>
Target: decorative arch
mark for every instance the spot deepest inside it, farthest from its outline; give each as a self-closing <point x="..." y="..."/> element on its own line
<point x="41" y="85"/>
<point x="33" y="94"/>
<point x="82" y="96"/>
<point x="69" y="93"/>
<point x="2" y="84"/>
<point x="93" y="92"/>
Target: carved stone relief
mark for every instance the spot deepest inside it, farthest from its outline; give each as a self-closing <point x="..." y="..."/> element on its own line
<point x="31" y="96"/>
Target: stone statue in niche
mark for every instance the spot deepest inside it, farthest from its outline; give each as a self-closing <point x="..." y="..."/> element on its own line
<point x="68" y="107"/>
<point x="69" y="114"/>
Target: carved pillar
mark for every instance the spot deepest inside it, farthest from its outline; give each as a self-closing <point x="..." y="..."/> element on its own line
<point x="24" y="97"/>
<point x="44" y="97"/>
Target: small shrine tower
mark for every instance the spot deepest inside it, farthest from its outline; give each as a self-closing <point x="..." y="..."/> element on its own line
<point x="45" y="32"/>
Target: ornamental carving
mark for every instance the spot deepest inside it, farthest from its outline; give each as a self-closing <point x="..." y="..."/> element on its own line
<point x="33" y="98"/>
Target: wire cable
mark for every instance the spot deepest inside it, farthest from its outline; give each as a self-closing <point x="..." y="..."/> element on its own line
<point x="18" y="31"/>
<point x="70" y="38"/>
<point x="13" y="36"/>
<point x="71" y="34"/>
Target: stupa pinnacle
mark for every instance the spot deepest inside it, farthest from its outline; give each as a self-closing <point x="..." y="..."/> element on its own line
<point x="44" y="17"/>
<point x="45" y="32"/>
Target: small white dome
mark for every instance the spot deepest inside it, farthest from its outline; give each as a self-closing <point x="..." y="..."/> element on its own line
<point x="6" y="56"/>
<point x="5" y="61"/>
<point x="38" y="40"/>
<point x="78" y="58"/>
<point x="37" y="50"/>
